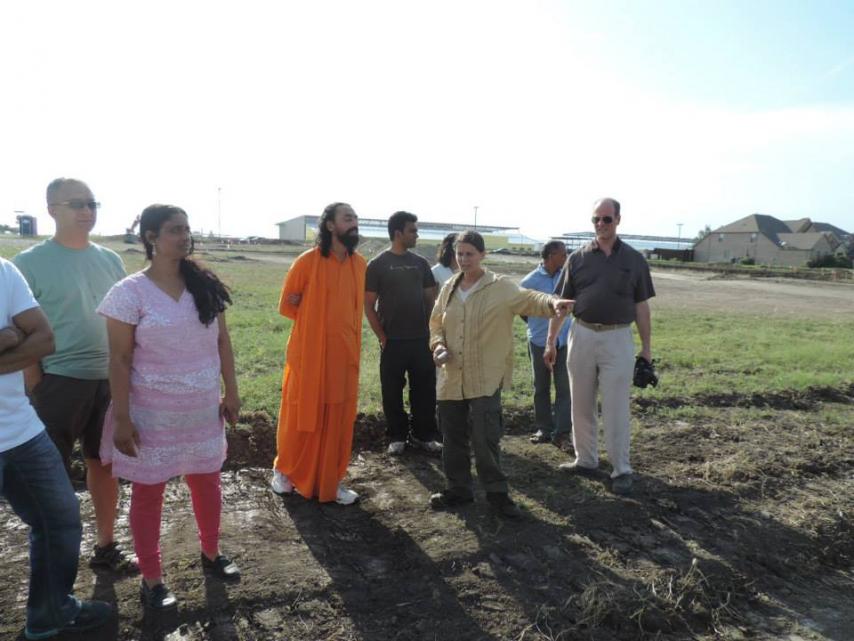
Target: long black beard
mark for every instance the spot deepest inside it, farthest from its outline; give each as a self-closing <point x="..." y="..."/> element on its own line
<point x="350" y="240"/>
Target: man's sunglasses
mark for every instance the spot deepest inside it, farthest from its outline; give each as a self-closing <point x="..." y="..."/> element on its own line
<point x="607" y="220"/>
<point x="79" y="205"/>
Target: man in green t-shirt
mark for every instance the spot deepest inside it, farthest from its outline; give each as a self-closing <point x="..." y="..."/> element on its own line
<point x="69" y="276"/>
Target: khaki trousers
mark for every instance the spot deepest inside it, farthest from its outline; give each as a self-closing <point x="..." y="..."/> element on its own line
<point x="601" y="361"/>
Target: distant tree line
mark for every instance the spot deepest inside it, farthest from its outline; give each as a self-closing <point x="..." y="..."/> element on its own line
<point x="831" y="260"/>
<point x="702" y="234"/>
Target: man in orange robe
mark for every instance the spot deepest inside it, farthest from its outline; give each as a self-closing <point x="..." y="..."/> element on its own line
<point x="324" y="294"/>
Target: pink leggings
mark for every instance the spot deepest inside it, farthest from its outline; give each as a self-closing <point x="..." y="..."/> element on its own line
<point x="146" y="505"/>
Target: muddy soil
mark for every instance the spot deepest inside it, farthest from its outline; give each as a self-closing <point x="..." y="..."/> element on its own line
<point x="740" y="527"/>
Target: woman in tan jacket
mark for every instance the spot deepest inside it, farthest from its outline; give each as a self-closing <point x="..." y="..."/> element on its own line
<point x="471" y="335"/>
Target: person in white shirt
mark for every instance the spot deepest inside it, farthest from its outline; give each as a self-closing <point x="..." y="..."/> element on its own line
<point x="32" y="475"/>
<point x="446" y="261"/>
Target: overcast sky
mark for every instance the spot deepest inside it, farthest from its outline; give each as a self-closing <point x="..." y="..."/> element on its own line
<point x="688" y="112"/>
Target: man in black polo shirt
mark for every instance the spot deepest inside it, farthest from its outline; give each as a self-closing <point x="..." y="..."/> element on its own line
<point x="399" y="294"/>
<point x="611" y="284"/>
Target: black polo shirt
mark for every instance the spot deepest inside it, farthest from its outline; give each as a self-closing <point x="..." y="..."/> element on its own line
<point x="605" y="288"/>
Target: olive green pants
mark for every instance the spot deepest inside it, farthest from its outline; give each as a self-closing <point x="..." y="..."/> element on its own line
<point x="475" y="421"/>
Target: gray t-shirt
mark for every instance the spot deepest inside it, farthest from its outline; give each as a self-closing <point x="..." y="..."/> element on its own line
<point x="69" y="284"/>
<point x="399" y="282"/>
<point x="605" y="288"/>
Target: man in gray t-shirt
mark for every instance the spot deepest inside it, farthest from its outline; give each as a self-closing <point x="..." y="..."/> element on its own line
<point x="399" y="294"/>
<point x="69" y="276"/>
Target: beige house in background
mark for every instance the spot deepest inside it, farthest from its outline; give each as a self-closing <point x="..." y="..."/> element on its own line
<point x="770" y="241"/>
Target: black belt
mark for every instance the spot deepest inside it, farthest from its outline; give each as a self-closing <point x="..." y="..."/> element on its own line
<point x="601" y="327"/>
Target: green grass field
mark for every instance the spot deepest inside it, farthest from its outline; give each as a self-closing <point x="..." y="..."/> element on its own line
<point x="697" y="352"/>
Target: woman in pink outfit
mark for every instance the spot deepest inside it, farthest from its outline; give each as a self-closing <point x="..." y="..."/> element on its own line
<point x="169" y="348"/>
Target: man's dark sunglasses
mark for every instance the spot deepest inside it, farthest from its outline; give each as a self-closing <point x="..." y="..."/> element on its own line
<point x="605" y="219"/>
<point x="78" y="205"/>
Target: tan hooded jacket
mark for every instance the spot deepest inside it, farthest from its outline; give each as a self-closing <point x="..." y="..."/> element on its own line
<point x="479" y="334"/>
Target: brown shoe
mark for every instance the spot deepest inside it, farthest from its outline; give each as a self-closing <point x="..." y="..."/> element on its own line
<point x="622" y="484"/>
<point x="573" y="468"/>
<point x="562" y="441"/>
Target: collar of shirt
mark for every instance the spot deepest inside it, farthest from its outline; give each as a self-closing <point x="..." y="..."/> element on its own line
<point x="551" y="278"/>
<point x="594" y="245"/>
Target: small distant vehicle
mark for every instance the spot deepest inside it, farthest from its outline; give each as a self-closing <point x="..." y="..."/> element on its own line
<point x="130" y="233"/>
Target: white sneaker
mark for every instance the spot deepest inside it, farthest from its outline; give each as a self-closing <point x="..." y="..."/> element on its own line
<point x="280" y="483"/>
<point x="434" y="447"/>
<point x="395" y="448"/>
<point x="345" y="496"/>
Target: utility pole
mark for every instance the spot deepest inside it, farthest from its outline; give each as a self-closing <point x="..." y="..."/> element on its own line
<point x="219" y="211"/>
<point x="475" y="216"/>
<point x="679" y="237"/>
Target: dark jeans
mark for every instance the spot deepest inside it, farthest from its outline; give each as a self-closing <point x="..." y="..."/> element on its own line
<point x="479" y="421"/>
<point x="556" y="419"/>
<point x="33" y="480"/>
<point x="410" y="359"/>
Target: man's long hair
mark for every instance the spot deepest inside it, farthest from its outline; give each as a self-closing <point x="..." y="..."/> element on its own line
<point x="324" y="236"/>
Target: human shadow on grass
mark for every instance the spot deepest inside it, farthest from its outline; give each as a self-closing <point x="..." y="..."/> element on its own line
<point x="388" y="586"/>
<point x="733" y="555"/>
<point x="670" y="587"/>
<point x="534" y="562"/>
<point x="220" y="611"/>
<point x="105" y="590"/>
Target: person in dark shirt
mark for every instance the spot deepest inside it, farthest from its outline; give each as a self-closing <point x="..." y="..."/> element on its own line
<point x="399" y="293"/>
<point x="611" y="284"/>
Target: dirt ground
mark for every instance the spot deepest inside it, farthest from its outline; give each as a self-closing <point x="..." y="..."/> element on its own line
<point x="713" y="292"/>
<point x="741" y="526"/>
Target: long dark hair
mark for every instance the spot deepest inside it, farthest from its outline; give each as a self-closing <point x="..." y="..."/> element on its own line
<point x="445" y="253"/>
<point x="209" y="293"/>
<point x="324" y="236"/>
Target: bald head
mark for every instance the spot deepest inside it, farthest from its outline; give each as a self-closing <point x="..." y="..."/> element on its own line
<point x="607" y="207"/>
<point x="58" y="185"/>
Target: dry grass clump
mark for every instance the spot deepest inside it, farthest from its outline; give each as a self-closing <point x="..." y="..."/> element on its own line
<point x="651" y="603"/>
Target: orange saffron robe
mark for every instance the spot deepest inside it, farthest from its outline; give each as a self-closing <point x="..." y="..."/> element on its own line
<point x="321" y="378"/>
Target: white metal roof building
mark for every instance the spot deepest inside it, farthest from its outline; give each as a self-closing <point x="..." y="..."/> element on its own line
<point x="304" y="228"/>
